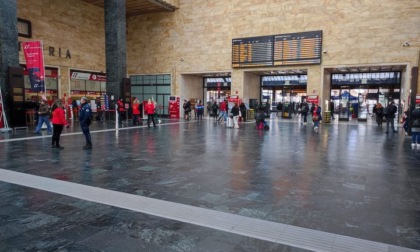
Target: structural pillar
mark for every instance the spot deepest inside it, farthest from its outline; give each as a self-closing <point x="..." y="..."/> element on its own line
<point x="116" y="47"/>
<point x="9" y="47"/>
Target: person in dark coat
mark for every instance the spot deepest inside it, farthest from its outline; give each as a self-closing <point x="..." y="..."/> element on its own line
<point x="415" y="128"/>
<point x="85" y="119"/>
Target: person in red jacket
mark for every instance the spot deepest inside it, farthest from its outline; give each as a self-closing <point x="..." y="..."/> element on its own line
<point x="59" y="121"/>
<point x="136" y="111"/>
<point x="150" y="110"/>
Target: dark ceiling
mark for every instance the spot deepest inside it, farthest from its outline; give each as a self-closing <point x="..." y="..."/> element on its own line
<point x="139" y="7"/>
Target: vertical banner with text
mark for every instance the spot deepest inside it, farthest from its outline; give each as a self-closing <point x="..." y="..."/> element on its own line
<point x="34" y="57"/>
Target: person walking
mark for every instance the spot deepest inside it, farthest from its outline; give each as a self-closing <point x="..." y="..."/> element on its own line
<point x="43" y="117"/>
<point x="316" y="116"/>
<point x="187" y="110"/>
<point x="415" y="128"/>
<point x="136" y="111"/>
<point x="223" y="111"/>
<point x="59" y="121"/>
<point x="150" y="111"/>
<point x="121" y="111"/>
<point x="391" y="110"/>
<point x="85" y="119"/>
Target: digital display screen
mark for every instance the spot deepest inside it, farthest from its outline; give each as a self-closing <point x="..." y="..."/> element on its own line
<point x="251" y="52"/>
<point x="277" y="50"/>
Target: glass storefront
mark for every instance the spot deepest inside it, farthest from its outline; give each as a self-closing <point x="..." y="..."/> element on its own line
<point x="89" y="84"/>
<point x="289" y="90"/>
<point x="156" y="87"/>
<point x="51" y="86"/>
<point x="355" y="95"/>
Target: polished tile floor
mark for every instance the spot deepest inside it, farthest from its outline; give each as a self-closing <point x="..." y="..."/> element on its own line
<point x="345" y="180"/>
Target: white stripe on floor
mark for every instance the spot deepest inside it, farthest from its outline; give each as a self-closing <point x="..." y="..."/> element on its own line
<point x="265" y="230"/>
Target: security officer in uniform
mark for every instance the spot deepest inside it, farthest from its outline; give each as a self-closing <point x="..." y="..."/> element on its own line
<point x="85" y="119"/>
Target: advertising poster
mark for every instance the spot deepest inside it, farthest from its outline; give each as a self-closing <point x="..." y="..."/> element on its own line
<point x="35" y="64"/>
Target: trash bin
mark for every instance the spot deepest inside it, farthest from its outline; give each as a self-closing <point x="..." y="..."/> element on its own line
<point x="327" y="117"/>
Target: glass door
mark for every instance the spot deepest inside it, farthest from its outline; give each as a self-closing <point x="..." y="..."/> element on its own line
<point x="362" y="112"/>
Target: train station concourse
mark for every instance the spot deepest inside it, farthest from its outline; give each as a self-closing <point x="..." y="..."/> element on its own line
<point x="199" y="186"/>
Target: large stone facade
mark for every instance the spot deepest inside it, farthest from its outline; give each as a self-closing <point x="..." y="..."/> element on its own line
<point x="73" y="27"/>
<point x="197" y="38"/>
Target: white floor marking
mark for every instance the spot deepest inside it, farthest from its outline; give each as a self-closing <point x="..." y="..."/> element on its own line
<point x="265" y="230"/>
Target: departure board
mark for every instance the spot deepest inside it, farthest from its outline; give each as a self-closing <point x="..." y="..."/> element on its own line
<point x="252" y="52"/>
<point x="298" y="48"/>
<point x="277" y="50"/>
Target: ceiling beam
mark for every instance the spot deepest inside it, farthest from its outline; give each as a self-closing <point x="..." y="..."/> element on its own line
<point x="163" y="4"/>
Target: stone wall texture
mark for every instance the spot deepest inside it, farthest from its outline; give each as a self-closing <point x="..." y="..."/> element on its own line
<point x="197" y="37"/>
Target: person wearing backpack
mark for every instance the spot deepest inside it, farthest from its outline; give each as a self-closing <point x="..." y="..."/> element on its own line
<point x="390" y="112"/>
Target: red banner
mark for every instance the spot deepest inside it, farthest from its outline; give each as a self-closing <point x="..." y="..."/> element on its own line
<point x="35" y="64"/>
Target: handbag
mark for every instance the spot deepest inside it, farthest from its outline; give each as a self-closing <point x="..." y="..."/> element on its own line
<point x="315" y="118"/>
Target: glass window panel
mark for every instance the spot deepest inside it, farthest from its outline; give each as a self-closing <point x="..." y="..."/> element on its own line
<point x="136" y="89"/>
<point x="103" y="86"/>
<point x="146" y="79"/>
<point x="93" y="86"/>
<point x="167" y="81"/>
<point x="149" y="89"/>
<point x="26" y="81"/>
<point x="167" y="77"/>
<point x="77" y="85"/>
<point x="159" y="79"/>
<point x="51" y="83"/>
<point x="164" y="89"/>
<point x="152" y="79"/>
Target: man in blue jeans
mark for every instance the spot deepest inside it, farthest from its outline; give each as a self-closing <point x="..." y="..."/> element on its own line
<point x="44" y="117"/>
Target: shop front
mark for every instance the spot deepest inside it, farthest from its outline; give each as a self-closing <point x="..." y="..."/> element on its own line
<point x="283" y="93"/>
<point x="354" y="95"/>
<point x="216" y="89"/>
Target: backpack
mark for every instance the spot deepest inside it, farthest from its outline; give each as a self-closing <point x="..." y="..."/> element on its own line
<point x="385" y="111"/>
<point x="305" y="108"/>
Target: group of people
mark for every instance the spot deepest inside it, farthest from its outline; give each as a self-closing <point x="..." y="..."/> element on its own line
<point x="58" y="120"/>
<point x="150" y="110"/>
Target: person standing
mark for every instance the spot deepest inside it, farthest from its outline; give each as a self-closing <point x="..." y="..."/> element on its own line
<point x="391" y="110"/>
<point x="215" y="107"/>
<point x="59" y="121"/>
<point x="332" y="107"/>
<point x="150" y="111"/>
<point x="136" y="111"/>
<point x="304" y="110"/>
<point x="200" y="111"/>
<point x="378" y="110"/>
<point x="43" y="117"/>
<point x="187" y="110"/>
<point x="242" y="108"/>
<point x="85" y="119"/>
<point x="415" y="128"/>
<point x="235" y="114"/>
<point x="121" y="111"/>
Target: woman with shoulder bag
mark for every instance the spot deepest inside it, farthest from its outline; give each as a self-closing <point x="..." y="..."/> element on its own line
<point x="59" y="121"/>
<point x="415" y="128"/>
